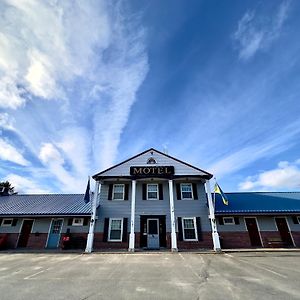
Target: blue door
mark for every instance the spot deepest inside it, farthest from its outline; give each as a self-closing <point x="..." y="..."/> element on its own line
<point x="54" y="234"/>
<point x="153" y="234"/>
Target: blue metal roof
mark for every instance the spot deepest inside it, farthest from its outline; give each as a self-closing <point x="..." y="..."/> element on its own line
<point x="259" y="203"/>
<point x="50" y="204"/>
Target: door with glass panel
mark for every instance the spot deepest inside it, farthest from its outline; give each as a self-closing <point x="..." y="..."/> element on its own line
<point x="153" y="233"/>
<point x="54" y="234"/>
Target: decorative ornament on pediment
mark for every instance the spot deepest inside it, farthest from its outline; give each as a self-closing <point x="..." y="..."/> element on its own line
<point x="151" y="161"/>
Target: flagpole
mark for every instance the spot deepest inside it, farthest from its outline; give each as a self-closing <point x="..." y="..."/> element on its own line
<point x="215" y="235"/>
<point x="90" y="238"/>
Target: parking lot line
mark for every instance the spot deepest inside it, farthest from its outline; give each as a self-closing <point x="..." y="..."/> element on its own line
<point x="257" y="266"/>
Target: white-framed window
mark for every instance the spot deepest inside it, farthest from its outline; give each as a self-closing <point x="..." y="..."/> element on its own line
<point x="189" y="229"/>
<point x="115" y="230"/>
<point x="118" y="191"/>
<point x="152" y="191"/>
<point x="7" y="222"/>
<point x="77" y="221"/>
<point x="228" y="221"/>
<point x="186" y="191"/>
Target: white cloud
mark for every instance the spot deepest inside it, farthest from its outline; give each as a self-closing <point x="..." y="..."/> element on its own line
<point x="92" y="57"/>
<point x="9" y="153"/>
<point x="50" y="154"/>
<point x="45" y="44"/>
<point x="54" y="161"/>
<point x="285" y="176"/>
<point x="256" y="32"/>
<point x="6" y="121"/>
<point x="25" y="185"/>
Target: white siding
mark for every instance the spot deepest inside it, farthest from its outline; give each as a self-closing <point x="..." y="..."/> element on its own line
<point x="161" y="160"/>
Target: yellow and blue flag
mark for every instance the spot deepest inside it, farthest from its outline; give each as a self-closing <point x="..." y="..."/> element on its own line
<point x="218" y="190"/>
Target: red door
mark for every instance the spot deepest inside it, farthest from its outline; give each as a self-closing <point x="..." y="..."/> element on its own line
<point x="284" y="231"/>
<point x="25" y="232"/>
<point x="253" y="232"/>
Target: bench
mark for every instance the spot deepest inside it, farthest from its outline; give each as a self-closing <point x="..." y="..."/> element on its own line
<point x="275" y="242"/>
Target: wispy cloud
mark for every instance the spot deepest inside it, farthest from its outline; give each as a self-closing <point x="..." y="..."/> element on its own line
<point x="25" y="185"/>
<point x="283" y="140"/>
<point x="256" y="32"/>
<point x="10" y="153"/>
<point x="6" y="122"/>
<point x="285" y="176"/>
<point x="88" y="65"/>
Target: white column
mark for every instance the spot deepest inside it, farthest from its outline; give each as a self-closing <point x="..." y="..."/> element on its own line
<point x="211" y="207"/>
<point x="94" y="202"/>
<point x="172" y="214"/>
<point x="131" y="236"/>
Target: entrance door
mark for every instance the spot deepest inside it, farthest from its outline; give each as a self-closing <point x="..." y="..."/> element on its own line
<point x="24" y="234"/>
<point x="152" y="234"/>
<point x="253" y="232"/>
<point x="54" y="234"/>
<point x="284" y="231"/>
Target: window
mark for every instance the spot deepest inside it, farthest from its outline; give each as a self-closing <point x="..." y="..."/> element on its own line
<point x="7" y="222"/>
<point x="118" y="191"/>
<point x="152" y="191"/>
<point x="228" y="221"/>
<point x="186" y="191"/>
<point x="115" y="230"/>
<point x="77" y="222"/>
<point x="189" y="229"/>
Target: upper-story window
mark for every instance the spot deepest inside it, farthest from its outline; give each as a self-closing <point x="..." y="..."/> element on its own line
<point x="186" y="191"/>
<point x="152" y="191"/>
<point x="118" y="191"/>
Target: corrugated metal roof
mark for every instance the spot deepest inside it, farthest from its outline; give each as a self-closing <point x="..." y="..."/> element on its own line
<point x="49" y="204"/>
<point x="259" y="203"/>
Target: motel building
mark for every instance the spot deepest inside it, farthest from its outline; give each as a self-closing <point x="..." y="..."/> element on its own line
<point x="150" y="201"/>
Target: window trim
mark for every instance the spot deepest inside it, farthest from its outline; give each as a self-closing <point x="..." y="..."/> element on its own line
<point x="181" y="193"/>
<point x="157" y="192"/>
<point x="109" y="229"/>
<point x="195" y="229"/>
<point x="231" y="223"/>
<point x="113" y="192"/>
<point x="7" y="225"/>
<point x="77" y="224"/>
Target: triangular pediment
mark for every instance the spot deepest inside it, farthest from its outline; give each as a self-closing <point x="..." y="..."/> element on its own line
<point x="150" y="158"/>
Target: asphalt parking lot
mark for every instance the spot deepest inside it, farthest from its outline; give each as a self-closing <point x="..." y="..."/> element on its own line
<point x="150" y="276"/>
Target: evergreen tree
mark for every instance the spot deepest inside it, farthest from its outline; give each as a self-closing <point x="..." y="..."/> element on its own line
<point x="9" y="189"/>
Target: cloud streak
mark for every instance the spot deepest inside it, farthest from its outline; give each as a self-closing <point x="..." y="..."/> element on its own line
<point x="257" y="32"/>
<point x="69" y="86"/>
<point x="9" y="153"/>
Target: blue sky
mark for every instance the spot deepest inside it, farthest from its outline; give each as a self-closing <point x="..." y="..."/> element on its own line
<point x="87" y="84"/>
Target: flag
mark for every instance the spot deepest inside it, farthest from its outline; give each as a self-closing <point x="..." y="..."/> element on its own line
<point x="87" y="193"/>
<point x="218" y="190"/>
